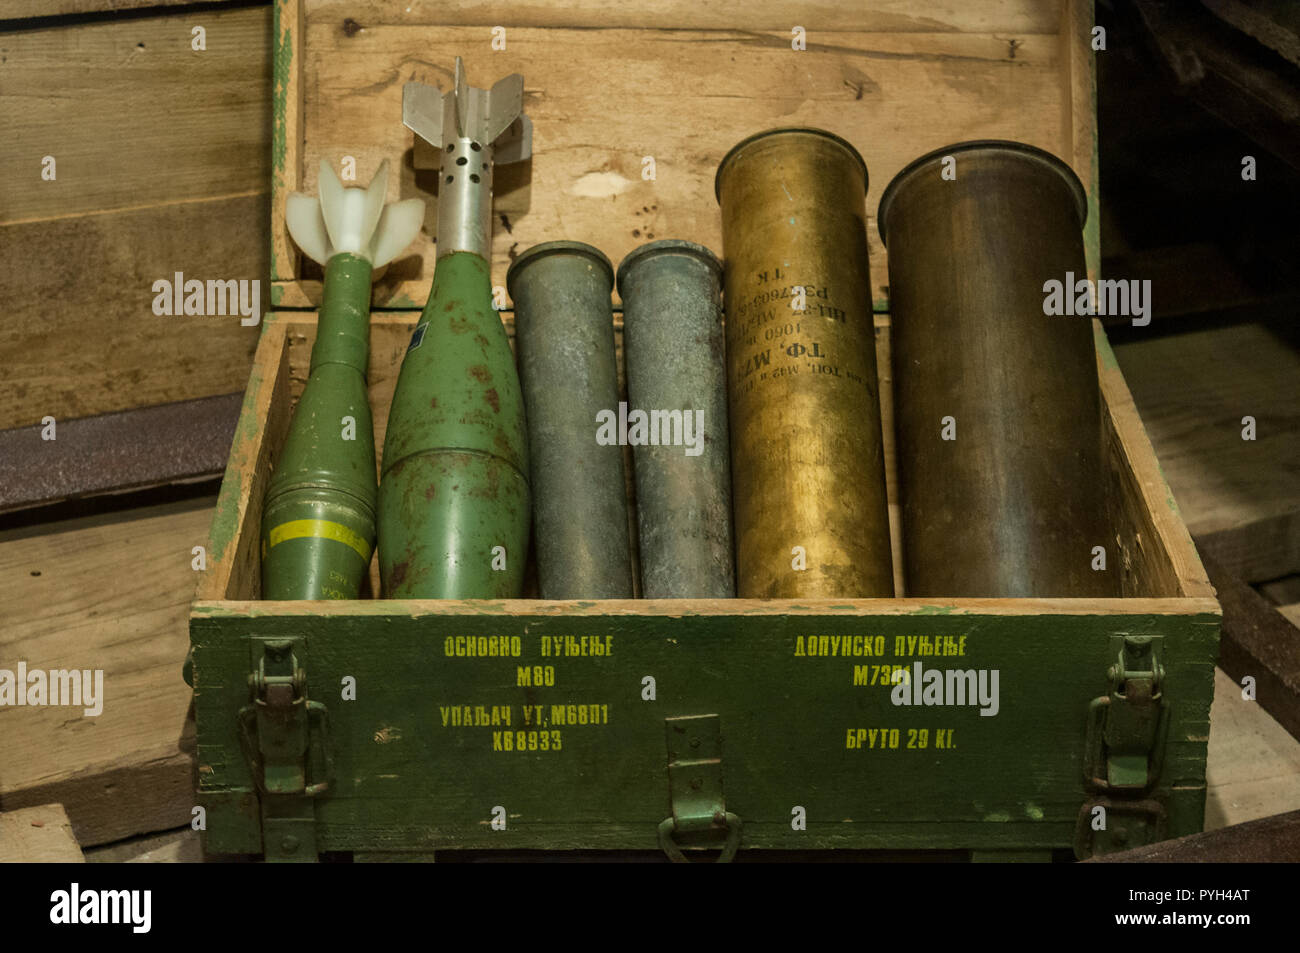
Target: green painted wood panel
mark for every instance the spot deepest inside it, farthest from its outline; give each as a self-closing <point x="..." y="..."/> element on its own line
<point x="407" y="777"/>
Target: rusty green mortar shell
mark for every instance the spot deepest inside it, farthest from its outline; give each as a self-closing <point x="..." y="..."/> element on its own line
<point x="673" y="347"/>
<point x="454" y="496"/>
<point x="564" y="332"/>
<point x="318" y="523"/>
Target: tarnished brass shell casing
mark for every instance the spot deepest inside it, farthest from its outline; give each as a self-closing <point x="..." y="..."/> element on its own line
<point x="807" y="464"/>
<point x="996" y="404"/>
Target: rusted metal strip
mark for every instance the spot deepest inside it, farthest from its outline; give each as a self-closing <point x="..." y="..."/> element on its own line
<point x="1273" y="839"/>
<point x="132" y="449"/>
<point x="1259" y="642"/>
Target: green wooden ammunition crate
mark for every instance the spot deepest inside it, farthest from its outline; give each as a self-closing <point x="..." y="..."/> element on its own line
<point x="380" y="726"/>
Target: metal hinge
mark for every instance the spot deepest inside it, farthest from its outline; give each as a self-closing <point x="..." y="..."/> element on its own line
<point x="286" y="741"/>
<point x="699" y="809"/>
<point x="1127" y="728"/>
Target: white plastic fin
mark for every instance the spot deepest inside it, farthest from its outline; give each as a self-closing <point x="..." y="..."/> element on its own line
<point x="352" y="220"/>
<point x="376" y="192"/>
<point x="302" y="216"/>
<point x="331" y="203"/>
<point x="398" y="225"/>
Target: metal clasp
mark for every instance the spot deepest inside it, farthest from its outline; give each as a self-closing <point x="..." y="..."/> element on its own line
<point x="285" y="736"/>
<point x="699" y="809"/>
<point x="1127" y="728"/>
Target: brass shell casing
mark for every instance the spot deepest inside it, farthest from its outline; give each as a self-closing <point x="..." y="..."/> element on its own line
<point x="1011" y="502"/>
<point x="807" y="458"/>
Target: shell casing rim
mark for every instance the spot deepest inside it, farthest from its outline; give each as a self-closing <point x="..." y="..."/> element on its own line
<point x="547" y="249"/>
<point x="667" y="246"/>
<point x="1008" y="148"/>
<point x="813" y="131"/>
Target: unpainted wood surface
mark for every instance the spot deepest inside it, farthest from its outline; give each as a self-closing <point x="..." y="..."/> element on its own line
<point x="1241" y="497"/>
<point x="162" y="166"/>
<point x="986" y="16"/>
<point x="38" y="835"/>
<point x="26" y="9"/>
<point x="108" y="592"/>
<point x="132" y="115"/>
<point x="683" y="96"/>
<point x="1253" y="767"/>
<point x="80" y="337"/>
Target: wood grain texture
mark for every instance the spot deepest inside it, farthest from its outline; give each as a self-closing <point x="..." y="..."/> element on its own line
<point x="987" y="16"/>
<point x="1253" y="766"/>
<point x="162" y="167"/>
<point x="108" y="592"/>
<point x="38" y="835"/>
<point x="80" y="337"/>
<point x="235" y="532"/>
<point x="894" y="95"/>
<point x="27" y="9"/>
<point x="1240" y="498"/>
<point x="132" y="115"/>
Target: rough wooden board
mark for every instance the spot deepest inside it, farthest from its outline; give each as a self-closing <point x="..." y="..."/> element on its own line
<point x="39" y="835"/>
<point x="112" y="593"/>
<point x="184" y="846"/>
<point x="1192" y="390"/>
<point x="132" y="115"/>
<point x="1291" y="612"/>
<point x="1005" y="16"/>
<point x="1253" y="766"/>
<point x="584" y="180"/>
<point x="80" y="337"/>
<point x="26" y="9"/>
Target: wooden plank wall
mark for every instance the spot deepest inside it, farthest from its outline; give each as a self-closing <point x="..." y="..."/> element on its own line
<point x="162" y="164"/>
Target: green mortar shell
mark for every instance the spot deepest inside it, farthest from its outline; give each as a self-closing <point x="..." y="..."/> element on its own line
<point x="318" y="522"/>
<point x="564" y="331"/>
<point x="454" y="498"/>
<point x="674" y="351"/>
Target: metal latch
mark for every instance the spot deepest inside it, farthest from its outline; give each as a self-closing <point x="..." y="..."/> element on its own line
<point x="699" y="809"/>
<point x="286" y="736"/>
<point x="1127" y="728"/>
<point x="1105" y="826"/>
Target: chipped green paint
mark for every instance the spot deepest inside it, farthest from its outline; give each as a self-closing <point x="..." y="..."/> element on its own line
<point x="225" y="521"/>
<point x="282" y="57"/>
<point x="606" y="787"/>
<point x="880" y="306"/>
<point x="277" y="294"/>
<point x="935" y="610"/>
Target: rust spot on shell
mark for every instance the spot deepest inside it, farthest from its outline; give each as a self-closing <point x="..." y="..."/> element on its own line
<point x="433" y="403"/>
<point x="431" y="491"/>
<point x="480" y="373"/>
<point x="398" y="574"/>
<point x="490" y="395"/>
